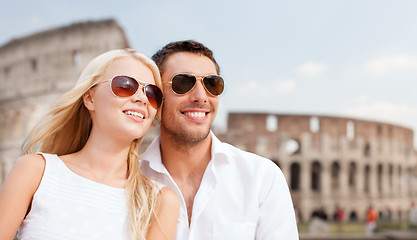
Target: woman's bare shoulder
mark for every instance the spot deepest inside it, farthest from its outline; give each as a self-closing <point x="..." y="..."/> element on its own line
<point x="168" y="197"/>
<point x="32" y="162"/>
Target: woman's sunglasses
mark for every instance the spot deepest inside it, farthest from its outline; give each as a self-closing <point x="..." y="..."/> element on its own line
<point x="124" y="86"/>
<point x="183" y="83"/>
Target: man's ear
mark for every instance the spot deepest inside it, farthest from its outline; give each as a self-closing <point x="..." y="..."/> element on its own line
<point x="88" y="99"/>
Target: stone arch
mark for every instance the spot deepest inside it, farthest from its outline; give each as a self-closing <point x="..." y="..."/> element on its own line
<point x="295" y="176"/>
<point x="352" y="175"/>
<point x="300" y="216"/>
<point x="367" y="175"/>
<point x="335" y="173"/>
<point x="414" y="181"/>
<point x="379" y="129"/>
<point x="353" y="216"/>
<point x="7" y="71"/>
<point x="399" y="177"/>
<point x="409" y="179"/>
<point x="367" y="150"/>
<point x="390" y="177"/>
<point x="379" y="177"/>
<point x="316" y="171"/>
<point x="34" y="64"/>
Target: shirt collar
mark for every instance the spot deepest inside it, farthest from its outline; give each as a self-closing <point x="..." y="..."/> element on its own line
<point x="219" y="150"/>
<point x="219" y="153"/>
<point x="152" y="156"/>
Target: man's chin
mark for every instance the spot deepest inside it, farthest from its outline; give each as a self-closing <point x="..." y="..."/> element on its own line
<point x="187" y="137"/>
<point x="198" y="137"/>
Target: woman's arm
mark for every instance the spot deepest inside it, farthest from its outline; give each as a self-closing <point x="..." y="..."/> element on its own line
<point x="167" y="209"/>
<point x="17" y="192"/>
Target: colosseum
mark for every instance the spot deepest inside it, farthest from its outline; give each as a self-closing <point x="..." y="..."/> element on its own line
<point x="333" y="161"/>
<point x="327" y="161"/>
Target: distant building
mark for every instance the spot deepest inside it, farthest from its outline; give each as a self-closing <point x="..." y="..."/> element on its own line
<point x="331" y="161"/>
<point x="36" y="69"/>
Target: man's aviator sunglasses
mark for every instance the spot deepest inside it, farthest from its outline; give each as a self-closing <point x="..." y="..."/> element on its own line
<point x="183" y="83"/>
<point x="124" y="86"/>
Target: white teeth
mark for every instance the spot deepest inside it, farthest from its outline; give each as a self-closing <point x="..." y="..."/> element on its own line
<point x="196" y="114"/>
<point x="136" y="114"/>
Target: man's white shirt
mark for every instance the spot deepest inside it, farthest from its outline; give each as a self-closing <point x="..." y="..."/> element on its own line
<point x="241" y="196"/>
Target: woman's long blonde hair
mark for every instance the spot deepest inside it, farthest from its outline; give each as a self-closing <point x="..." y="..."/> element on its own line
<point x="66" y="129"/>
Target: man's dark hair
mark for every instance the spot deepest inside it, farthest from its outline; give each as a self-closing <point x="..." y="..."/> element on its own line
<point x="182" y="46"/>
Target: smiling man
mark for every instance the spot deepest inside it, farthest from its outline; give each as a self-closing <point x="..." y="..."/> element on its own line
<point x="225" y="193"/>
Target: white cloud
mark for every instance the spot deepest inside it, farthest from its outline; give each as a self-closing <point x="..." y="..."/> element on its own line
<point x="285" y="86"/>
<point x="312" y="69"/>
<point x="385" y="64"/>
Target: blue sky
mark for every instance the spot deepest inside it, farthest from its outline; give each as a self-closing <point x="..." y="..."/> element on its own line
<point x="355" y="58"/>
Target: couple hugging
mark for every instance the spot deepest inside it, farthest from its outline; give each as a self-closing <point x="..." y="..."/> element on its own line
<point x="81" y="176"/>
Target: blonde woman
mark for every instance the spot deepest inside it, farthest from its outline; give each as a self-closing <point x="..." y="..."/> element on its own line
<point x="85" y="181"/>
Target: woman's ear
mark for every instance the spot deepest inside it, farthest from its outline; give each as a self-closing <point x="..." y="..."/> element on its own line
<point x="88" y="99"/>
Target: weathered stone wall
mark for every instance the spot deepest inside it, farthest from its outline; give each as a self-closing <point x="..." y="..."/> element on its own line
<point x="36" y="69"/>
<point x="331" y="161"/>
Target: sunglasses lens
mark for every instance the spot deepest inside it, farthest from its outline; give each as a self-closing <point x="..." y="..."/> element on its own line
<point x="154" y="95"/>
<point x="123" y="86"/>
<point x="182" y="83"/>
<point x="214" y="84"/>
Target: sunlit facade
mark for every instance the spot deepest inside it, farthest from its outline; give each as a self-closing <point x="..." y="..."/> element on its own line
<point x="330" y="161"/>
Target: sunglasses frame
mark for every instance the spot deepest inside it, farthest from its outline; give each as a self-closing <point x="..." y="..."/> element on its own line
<point x="142" y="86"/>
<point x="201" y="78"/>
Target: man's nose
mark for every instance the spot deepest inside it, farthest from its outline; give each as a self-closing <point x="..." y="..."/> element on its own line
<point x="199" y="93"/>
